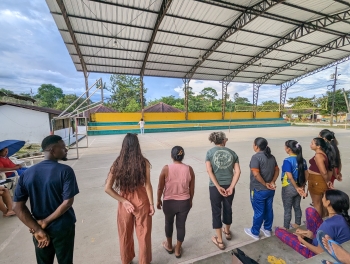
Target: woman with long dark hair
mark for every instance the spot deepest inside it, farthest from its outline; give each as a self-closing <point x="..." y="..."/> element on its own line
<point x="224" y="172"/>
<point x="294" y="175"/>
<point x="263" y="175"/>
<point x="329" y="137"/>
<point x="129" y="183"/>
<point x="176" y="185"/>
<point x="337" y="225"/>
<point x="320" y="172"/>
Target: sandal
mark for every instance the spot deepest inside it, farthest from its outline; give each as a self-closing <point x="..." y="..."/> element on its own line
<point x="220" y="245"/>
<point x="166" y="249"/>
<point x="179" y="256"/>
<point x="320" y="234"/>
<point x="227" y="235"/>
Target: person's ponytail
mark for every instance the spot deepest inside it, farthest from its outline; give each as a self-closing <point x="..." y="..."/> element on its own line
<point x="261" y="143"/>
<point x="297" y="150"/>
<point x="346" y="216"/>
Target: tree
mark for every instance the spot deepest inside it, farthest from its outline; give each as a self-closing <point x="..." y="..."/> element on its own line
<point x="242" y="101"/>
<point x="339" y="102"/>
<point x="269" y="102"/>
<point x="209" y="93"/>
<point x="48" y="95"/>
<point x="67" y="100"/>
<point x="4" y="92"/>
<point x="170" y="100"/>
<point x="123" y="89"/>
<point x="132" y="106"/>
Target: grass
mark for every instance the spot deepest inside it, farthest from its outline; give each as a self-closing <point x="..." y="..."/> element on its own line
<point x="29" y="150"/>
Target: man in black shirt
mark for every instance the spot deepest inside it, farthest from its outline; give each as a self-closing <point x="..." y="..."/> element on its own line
<point x="50" y="187"/>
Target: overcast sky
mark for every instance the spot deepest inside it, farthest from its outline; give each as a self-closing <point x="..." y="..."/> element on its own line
<point x="32" y="52"/>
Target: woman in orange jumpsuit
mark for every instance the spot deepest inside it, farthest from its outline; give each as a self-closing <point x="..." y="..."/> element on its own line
<point x="129" y="183"/>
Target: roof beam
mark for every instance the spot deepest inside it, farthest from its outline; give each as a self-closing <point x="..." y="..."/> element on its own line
<point x="291" y="82"/>
<point x="301" y="31"/>
<point x="71" y="33"/>
<point x="334" y="44"/>
<point x="162" y="12"/>
<point x="276" y="17"/>
<point x="194" y="48"/>
<point x="245" y="18"/>
<point x="227" y="41"/>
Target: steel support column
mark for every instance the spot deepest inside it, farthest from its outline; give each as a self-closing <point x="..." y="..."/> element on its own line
<point x="255" y="98"/>
<point x="224" y="98"/>
<point x="141" y="94"/>
<point x="283" y="95"/>
<point x="186" y="82"/>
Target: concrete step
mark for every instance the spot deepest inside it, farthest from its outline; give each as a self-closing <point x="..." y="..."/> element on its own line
<point x="317" y="259"/>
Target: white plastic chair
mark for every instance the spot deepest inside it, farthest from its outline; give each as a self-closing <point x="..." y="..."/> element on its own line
<point x="14" y="179"/>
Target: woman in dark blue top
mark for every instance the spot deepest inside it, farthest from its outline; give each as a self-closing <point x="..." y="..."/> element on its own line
<point x="337" y="225"/>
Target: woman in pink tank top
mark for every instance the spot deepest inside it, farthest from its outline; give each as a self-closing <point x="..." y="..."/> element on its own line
<point x="176" y="184"/>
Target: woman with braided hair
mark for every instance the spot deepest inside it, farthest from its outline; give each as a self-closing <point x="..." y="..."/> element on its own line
<point x="176" y="185"/>
<point x="337" y="225"/>
<point x="294" y="176"/>
<point x="329" y="137"/>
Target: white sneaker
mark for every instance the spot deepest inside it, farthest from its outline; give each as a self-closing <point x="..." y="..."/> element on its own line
<point x="267" y="233"/>
<point x="248" y="231"/>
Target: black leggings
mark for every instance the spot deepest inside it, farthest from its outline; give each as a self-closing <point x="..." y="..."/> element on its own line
<point x="180" y="209"/>
<point x="221" y="206"/>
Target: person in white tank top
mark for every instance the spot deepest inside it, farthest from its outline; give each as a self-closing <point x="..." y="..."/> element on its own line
<point x="176" y="185"/>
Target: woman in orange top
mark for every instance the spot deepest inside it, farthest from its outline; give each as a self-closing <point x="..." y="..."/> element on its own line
<point x="129" y="183"/>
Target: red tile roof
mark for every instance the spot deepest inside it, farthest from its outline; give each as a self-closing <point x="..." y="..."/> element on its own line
<point x="161" y="108"/>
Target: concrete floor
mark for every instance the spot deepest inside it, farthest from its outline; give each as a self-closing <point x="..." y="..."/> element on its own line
<point x="96" y="231"/>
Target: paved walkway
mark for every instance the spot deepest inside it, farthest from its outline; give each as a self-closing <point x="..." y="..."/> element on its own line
<point x="96" y="231"/>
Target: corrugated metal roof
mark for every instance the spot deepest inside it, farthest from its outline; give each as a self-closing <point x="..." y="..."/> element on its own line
<point x="114" y="37"/>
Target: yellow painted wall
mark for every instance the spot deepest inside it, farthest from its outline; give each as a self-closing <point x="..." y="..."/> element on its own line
<point x="164" y="116"/>
<point x="267" y="115"/>
<point x="135" y="117"/>
<point x="116" y="117"/>
<point x="238" y="115"/>
<point x="204" y="116"/>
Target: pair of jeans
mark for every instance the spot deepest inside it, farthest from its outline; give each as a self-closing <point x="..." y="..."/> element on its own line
<point x="221" y="203"/>
<point x="142" y="130"/>
<point x="61" y="245"/>
<point x="263" y="210"/>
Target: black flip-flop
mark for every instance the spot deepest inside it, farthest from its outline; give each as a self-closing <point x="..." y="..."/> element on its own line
<point x="179" y="256"/>
<point x="169" y="251"/>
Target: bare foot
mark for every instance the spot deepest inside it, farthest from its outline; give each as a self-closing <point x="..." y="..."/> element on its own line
<point x="9" y="213"/>
<point x="295" y="226"/>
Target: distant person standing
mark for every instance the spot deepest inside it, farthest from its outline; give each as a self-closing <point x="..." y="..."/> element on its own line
<point x="50" y="187"/>
<point x="223" y="168"/>
<point x="142" y="126"/>
<point x="263" y="175"/>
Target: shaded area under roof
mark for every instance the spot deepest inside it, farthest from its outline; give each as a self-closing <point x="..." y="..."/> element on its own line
<point x="257" y="41"/>
<point x="161" y="108"/>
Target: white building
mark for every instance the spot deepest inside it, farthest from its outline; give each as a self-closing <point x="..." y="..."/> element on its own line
<point x="25" y="122"/>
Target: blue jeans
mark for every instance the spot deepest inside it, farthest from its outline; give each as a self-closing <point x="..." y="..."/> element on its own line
<point x="263" y="210"/>
<point x="142" y="130"/>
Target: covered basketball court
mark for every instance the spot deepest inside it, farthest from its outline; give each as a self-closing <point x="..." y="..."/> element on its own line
<point x="274" y="42"/>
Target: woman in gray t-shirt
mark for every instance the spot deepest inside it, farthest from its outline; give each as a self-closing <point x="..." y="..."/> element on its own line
<point x="224" y="171"/>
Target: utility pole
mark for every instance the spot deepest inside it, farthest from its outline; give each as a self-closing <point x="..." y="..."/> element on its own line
<point x="334" y="84"/>
<point x="346" y="100"/>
